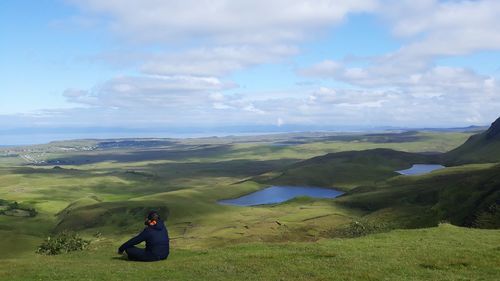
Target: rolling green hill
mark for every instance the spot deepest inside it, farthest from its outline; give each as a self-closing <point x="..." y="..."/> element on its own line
<point x="466" y="195"/>
<point x="479" y="148"/>
<point x="345" y="170"/>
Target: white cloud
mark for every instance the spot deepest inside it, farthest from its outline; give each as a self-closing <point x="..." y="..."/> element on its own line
<point x="216" y="37"/>
<point x="417" y="84"/>
<point x="217" y="61"/>
<point x="445" y="27"/>
<point x="449" y="82"/>
<point x="349" y="97"/>
<point x="150" y="91"/>
<point x="197" y="43"/>
<point x="324" y="106"/>
<point x="434" y="96"/>
<point x="199" y="39"/>
<point x="245" y="21"/>
<point x="251" y="108"/>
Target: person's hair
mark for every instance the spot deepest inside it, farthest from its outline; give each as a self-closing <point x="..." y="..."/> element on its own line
<point x="153" y="216"/>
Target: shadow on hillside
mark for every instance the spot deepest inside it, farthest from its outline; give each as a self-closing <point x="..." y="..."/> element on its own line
<point x="409" y="136"/>
<point x="195" y="151"/>
<point x="231" y="168"/>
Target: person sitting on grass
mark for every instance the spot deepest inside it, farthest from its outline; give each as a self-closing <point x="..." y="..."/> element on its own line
<point x="157" y="243"/>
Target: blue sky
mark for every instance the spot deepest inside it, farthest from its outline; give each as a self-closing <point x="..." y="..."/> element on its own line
<point x="243" y="64"/>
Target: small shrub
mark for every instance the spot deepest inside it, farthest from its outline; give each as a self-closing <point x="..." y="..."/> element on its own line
<point x="16" y="209"/>
<point x="63" y="242"/>
<point x="13" y="205"/>
<point x="359" y="228"/>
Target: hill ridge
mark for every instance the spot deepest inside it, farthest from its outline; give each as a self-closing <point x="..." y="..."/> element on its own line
<point x="494" y="130"/>
<point x="479" y="148"/>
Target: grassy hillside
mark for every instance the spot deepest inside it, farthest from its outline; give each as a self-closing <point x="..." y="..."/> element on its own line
<point x="479" y="148"/>
<point x="196" y="220"/>
<point x="460" y="195"/>
<point x="443" y="253"/>
<point x="345" y="170"/>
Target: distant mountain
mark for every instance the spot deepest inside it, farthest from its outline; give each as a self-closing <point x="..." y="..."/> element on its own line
<point x="458" y="129"/>
<point x="480" y="148"/>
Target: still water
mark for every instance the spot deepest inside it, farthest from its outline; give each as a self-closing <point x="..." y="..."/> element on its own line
<point x="420" y="169"/>
<point x="278" y="194"/>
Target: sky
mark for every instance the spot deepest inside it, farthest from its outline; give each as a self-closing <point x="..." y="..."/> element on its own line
<point x="247" y="65"/>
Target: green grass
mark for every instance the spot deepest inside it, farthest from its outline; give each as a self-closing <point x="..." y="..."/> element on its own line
<point x="456" y="194"/>
<point x="443" y="253"/>
<point x="480" y="148"/>
<point x="476" y="150"/>
<point x="348" y="169"/>
<point x="108" y="191"/>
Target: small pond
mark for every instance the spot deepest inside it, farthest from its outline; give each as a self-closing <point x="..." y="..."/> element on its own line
<point x="420" y="169"/>
<point x="278" y="194"/>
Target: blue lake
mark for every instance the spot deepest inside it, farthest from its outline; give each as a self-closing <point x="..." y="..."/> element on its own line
<point x="278" y="194"/>
<point x="420" y="169"/>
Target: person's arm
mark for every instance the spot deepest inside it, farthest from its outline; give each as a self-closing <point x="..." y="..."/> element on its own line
<point x="133" y="241"/>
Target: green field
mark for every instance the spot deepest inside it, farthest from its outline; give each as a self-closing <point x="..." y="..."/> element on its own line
<point x="105" y="187"/>
<point x="442" y="253"/>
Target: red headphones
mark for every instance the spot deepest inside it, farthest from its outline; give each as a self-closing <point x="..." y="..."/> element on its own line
<point x="152" y="218"/>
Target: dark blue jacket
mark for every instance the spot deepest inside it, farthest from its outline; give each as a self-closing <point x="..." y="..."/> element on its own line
<point x="156" y="238"/>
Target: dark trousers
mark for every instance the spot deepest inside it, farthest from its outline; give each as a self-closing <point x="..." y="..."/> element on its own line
<point x="137" y="254"/>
